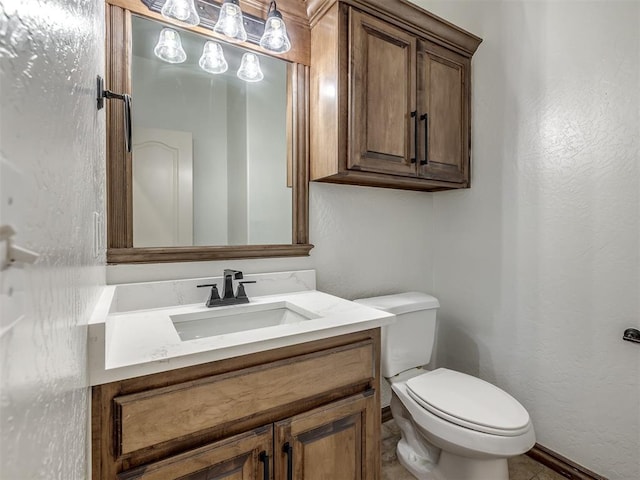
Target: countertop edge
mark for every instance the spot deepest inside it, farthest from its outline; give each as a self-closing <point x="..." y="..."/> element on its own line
<point x="99" y="375"/>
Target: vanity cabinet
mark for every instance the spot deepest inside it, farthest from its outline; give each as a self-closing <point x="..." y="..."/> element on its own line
<point x="301" y="412"/>
<point x="391" y="94"/>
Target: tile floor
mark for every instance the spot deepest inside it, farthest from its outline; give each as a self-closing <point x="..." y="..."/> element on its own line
<point x="520" y="468"/>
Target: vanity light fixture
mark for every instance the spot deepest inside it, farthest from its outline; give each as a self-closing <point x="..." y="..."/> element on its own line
<point x="231" y="22"/>
<point x="225" y="17"/>
<point x="212" y="59"/>
<point x="249" y="70"/>
<point x="275" y="38"/>
<point x="182" y="10"/>
<point x="169" y="47"/>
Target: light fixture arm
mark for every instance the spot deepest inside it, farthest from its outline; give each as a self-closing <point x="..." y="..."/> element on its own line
<point x="272" y="7"/>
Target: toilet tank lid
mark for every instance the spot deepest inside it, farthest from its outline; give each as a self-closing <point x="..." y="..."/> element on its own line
<point x="401" y="302"/>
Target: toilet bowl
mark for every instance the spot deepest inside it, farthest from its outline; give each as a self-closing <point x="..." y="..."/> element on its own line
<point x="454" y="426"/>
<point x="470" y="438"/>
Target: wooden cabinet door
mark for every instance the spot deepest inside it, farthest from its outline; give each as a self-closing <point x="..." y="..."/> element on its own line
<point x="382" y="97"/>
<point x="243" y="457"/>
<point x="443" y="106"/>
<point x="337" y="442"/>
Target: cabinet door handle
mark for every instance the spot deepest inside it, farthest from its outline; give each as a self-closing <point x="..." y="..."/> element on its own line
<point x="288" y="449"/>
<point x="264" y="458"/>
<point x="414" y="115"/>
<point x="425" y="117"/>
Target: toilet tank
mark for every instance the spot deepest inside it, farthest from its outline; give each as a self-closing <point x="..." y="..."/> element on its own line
<point x="408" y="343"/>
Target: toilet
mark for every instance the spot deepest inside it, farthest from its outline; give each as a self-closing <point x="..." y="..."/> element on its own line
<point x="454" y="426"/>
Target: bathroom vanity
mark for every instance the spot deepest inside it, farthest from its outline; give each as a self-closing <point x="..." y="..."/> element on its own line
<point x="311" y="408"/>
<point x="286" y="401"/>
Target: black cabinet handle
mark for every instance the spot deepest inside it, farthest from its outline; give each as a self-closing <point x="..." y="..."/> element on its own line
<point x="264" y="458"/>
<point x="414" y="115"/>
<point x="425" y="117"/>
<point x="288" y="449"/>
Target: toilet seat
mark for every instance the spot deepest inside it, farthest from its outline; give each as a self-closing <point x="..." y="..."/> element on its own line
<point x="461" y="440"/>
<point x="469" y="402"/>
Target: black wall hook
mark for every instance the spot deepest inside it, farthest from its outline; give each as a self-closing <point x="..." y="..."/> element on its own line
<point x="126" y="98"/>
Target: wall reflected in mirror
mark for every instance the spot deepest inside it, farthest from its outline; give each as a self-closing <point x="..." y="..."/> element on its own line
<point x="209" y="150"/>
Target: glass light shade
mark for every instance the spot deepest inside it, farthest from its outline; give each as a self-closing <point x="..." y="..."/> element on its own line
<point x="249" y="70"/>
<point x="275" y="36"/>
<point x="212" y="59"/>
<point x="169" y="47"/>
<point x="182" y="10"/>
<point x="230" y="22"/>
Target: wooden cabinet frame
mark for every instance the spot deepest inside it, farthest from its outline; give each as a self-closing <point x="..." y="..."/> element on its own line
<point x="120" y="247"/>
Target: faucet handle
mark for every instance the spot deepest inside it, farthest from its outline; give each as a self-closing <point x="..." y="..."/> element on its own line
<point x="241" y="292"/>
<point x="214" y="296"/>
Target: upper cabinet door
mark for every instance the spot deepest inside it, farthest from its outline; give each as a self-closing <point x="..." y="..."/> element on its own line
<point x="443" y="105"/>
<point x="382" y="97"/>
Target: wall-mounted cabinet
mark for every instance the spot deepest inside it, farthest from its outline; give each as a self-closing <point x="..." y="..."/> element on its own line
<point x="391" y="92"/>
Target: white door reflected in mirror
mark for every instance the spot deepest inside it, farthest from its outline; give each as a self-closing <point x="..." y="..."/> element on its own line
<point x="162" y="188"/>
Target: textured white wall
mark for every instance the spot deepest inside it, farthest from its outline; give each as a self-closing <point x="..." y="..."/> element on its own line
<point x="371" y="241"/>
<point x="537" y="266"/>
<point x="51" y="137"/>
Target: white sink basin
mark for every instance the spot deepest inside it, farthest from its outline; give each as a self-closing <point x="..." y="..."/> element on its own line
<point x="224" y="320"/>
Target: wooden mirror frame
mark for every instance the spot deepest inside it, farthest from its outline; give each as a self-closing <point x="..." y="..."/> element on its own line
<point x="120" y="247"/>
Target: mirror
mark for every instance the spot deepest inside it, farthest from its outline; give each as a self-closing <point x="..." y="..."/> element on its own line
<point x="209" y="160"/>
<point x="219" y="165"/>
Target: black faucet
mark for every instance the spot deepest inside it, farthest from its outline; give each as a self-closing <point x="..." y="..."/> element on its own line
<point x="228" y="298"/>
<point x="229" y="277"/>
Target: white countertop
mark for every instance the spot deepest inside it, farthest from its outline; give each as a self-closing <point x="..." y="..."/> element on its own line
<point x="141" y="342"/>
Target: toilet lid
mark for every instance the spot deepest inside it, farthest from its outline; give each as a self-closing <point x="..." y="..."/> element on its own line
<point x="469" y="402"/>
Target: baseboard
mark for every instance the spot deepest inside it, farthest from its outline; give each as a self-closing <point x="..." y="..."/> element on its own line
<point x="545" y="456"/>
<point x="562" y="465"/>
